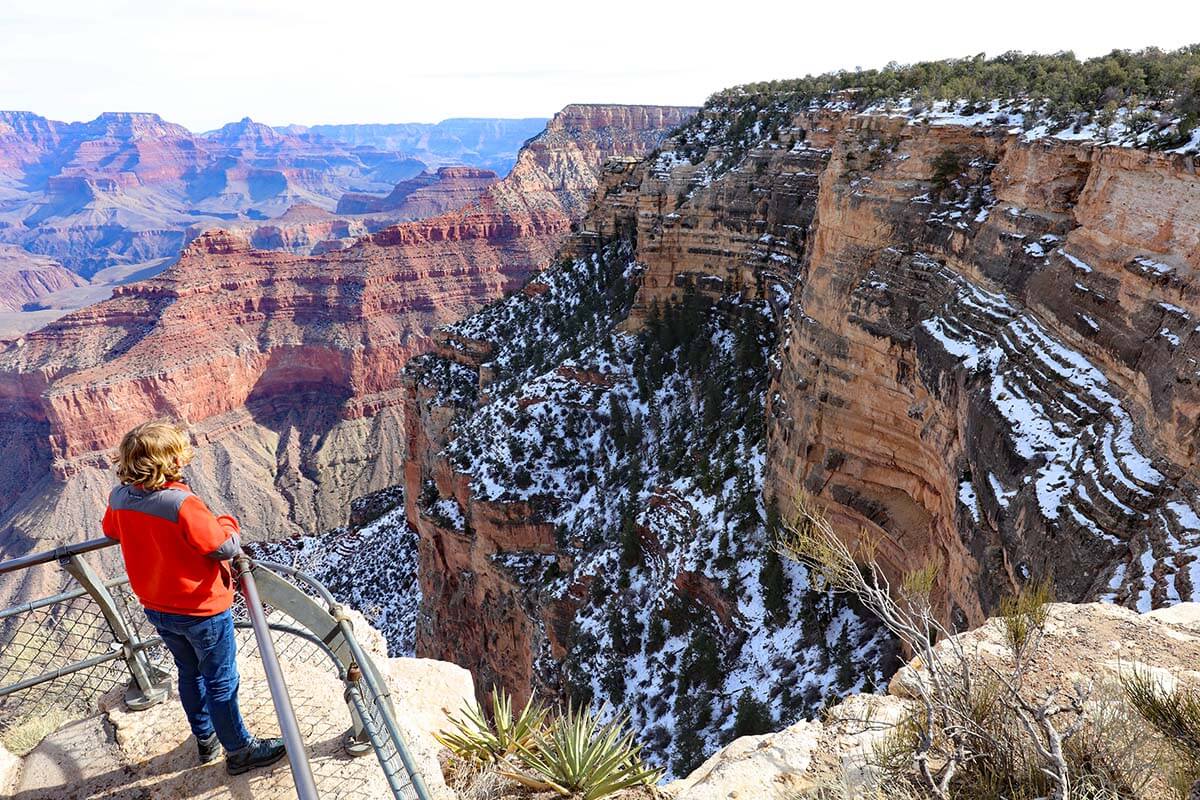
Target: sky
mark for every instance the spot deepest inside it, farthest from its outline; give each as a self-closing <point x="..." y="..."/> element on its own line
<point x="202" y="64"/>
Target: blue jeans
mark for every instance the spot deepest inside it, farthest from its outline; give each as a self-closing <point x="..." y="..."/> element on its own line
<point x="205" y="653"/>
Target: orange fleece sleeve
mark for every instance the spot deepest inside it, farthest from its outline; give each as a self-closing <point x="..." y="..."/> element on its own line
<point x="109" y="525"/>
<point x="203" y="531"/>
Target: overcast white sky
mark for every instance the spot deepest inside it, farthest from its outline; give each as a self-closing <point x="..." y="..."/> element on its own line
<point x="205" y="63"/>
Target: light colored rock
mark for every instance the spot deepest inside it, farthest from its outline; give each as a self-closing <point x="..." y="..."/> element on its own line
<point x="1182" y="615"/>
<point x="836" y="749"/>
<point x="862" y="722"/>
<point x="427" y="690"/>
<point x="370" y="639"/>
<point x="1090" y="643"/>
<point x="753" y="766"/>
<point x="10" y="771"/>
<point x="906" y="682"/>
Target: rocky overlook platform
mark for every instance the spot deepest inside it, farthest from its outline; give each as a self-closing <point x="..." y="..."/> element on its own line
<point x="121" y="755"/>
<point x="117" y="754"/>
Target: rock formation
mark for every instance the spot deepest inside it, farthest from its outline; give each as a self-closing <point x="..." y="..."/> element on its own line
<point x="425" y="195"/>
<point x="129" y="188"/>
<point x="987" y="361"/>
<point x="25" y="278"/>
<point x="839" y="749"/>
<point x="286" y="366"/>
<point x="311" y="230"/>
<point x="990" y="368"/>
<point x="979" y="354"/>
<point x="487" y="143"/>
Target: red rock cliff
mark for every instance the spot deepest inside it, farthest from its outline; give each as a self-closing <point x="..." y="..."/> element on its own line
<point x="290" y="364"/>
<point x="988" y="363"/>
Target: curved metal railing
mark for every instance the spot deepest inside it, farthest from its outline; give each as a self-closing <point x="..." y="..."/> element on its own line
<point x="63" y="651"/>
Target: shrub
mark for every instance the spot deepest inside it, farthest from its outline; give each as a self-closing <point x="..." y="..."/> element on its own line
<point x="753" y="717"/>
<point x="946" y="167"/>
<point x="581" y="755"/>
<point x="1175" y="714"/>
<point x="983" y="728"/>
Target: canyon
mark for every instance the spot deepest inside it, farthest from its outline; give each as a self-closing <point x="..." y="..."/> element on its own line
<point x="977" y="348"/>
<point x="126" y="188"/>
<point x="287" y="367"/>
<point x="116" y="199"/>
<point x="582" y="400"/>
<point x="24" y="278"/>
<point x="479" y="142"/>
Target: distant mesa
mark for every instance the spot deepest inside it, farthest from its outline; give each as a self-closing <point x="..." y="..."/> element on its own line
<point x="424" y="195"/>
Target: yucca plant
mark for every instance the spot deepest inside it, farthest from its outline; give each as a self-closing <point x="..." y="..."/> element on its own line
<point x="580" y="755"/>
<point x="479" y="740"/>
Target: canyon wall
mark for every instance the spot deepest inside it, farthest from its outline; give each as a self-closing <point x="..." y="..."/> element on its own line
<point x="985" y="360"/>
<point x="425" y="195"/>
<point x="989" y="358"/>
<point x="990" y="364"/>
<point x="286" y="366"/>
<point x="24" y="278"/>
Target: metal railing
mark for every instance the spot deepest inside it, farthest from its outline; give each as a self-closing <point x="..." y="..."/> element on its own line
<point x="302" y="777"/>
<point x="64" y="651"/>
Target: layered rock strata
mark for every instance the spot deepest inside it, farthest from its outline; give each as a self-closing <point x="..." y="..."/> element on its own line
<point x="25" y="278"/>
<point x="986" y="361"/>
<point x="286" y="366"/>
<point x="426" y="195"/>
<point x="129" y="188"/>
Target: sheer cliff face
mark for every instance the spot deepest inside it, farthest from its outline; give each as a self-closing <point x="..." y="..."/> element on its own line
<point x="985" y="359"/>
<point x="287" y="366"/>
<point x="989" y="356"/>
<point x="991" y="362"/>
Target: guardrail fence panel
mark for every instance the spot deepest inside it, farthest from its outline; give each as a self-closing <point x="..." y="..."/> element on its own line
<point x="59" y="654"/>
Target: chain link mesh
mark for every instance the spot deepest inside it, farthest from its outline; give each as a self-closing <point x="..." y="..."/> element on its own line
<point x="37" y="641"/>
<point x="42" y="640"/>
<point x="298" y="656"/>
<point x="371" y="707"/>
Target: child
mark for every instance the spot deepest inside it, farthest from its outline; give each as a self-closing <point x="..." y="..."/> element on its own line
<point x="175" y="553"/>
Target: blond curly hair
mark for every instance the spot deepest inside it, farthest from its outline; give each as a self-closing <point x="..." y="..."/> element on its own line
<point x="153" y="454"/>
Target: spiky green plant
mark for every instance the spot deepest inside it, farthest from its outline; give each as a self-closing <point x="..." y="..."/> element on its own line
<point x="477" y="739"/>
<point x="1174" y="713"/>
<point x="581" y="755"/>
<point x="1025" y="614"/>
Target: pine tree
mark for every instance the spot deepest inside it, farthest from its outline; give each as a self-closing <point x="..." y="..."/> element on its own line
<point x="631" y="540"/>
<point x="657" y="635"/>
<point x="843" y="656"/>
<point x="703" y="662"/>
<point x="753" y="718"/>
<point x="688" y="744"/>
<point x="775" y="587"/>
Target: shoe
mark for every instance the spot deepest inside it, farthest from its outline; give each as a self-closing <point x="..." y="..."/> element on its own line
<point x="209" y="748"/>
<point x="259" y="753"/>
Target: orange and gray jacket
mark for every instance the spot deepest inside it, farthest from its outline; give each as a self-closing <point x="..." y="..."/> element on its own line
<point x="175" y="549"/>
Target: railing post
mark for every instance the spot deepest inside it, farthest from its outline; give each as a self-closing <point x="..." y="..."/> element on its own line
<point x="358" y="742"/>
<point x="306" y="787"/>
<point x="143" y="692"/>
<point x="382" y="698"/>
